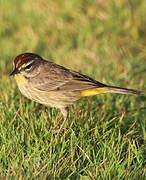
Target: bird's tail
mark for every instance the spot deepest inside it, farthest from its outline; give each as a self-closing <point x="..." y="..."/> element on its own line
<point x="110" y="89"/>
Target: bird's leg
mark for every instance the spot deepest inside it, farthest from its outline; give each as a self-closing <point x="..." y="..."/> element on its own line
<point x="64" y="111"/>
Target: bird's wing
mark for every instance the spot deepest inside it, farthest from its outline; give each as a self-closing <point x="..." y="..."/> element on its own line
<point x="56" y="77"/>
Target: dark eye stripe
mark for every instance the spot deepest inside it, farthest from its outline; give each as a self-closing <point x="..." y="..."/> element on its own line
<point x="28" y="67"/>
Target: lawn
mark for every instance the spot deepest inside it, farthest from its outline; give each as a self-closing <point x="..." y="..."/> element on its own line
<point x="104" y="136"/>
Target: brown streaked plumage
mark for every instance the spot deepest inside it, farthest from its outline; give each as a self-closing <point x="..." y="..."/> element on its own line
<point x="54" y="85"/>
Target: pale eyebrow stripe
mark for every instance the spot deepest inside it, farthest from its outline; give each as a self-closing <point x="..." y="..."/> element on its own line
<point x="18" y="63"/>
<point x="30" y="62"/>
<point x="24" y="65"/>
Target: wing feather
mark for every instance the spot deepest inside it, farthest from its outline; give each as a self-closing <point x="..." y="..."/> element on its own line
<point x="56" y="77"/>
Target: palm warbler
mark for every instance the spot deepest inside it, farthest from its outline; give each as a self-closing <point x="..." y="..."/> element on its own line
<point x="54" y="85"/>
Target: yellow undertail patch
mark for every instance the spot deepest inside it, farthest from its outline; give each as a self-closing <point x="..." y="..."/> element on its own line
<point x="92" y="92"/>
<point x="20" y="79"/>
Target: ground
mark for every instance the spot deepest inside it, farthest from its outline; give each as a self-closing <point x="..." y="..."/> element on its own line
<point x="104" y="135"/>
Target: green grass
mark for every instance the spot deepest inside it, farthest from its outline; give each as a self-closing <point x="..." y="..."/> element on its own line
<point x="104" y="136"/>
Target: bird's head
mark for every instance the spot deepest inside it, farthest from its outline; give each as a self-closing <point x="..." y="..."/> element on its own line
<point x="26" y="65"/>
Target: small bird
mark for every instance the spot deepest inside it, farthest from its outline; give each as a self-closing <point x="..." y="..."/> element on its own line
<point x="51" y="84"/>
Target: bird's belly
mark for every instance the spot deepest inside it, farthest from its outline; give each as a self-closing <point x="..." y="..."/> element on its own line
<point x="50" y="98"/>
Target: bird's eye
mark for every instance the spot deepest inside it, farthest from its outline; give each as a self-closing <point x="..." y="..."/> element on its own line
<point x="28" y="67"/>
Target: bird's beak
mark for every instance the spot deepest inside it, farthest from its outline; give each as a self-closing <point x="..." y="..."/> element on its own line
<point x="15" y="71"/>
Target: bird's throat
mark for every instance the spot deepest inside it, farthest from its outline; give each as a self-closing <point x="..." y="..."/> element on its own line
<point x="20" y="78"/>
